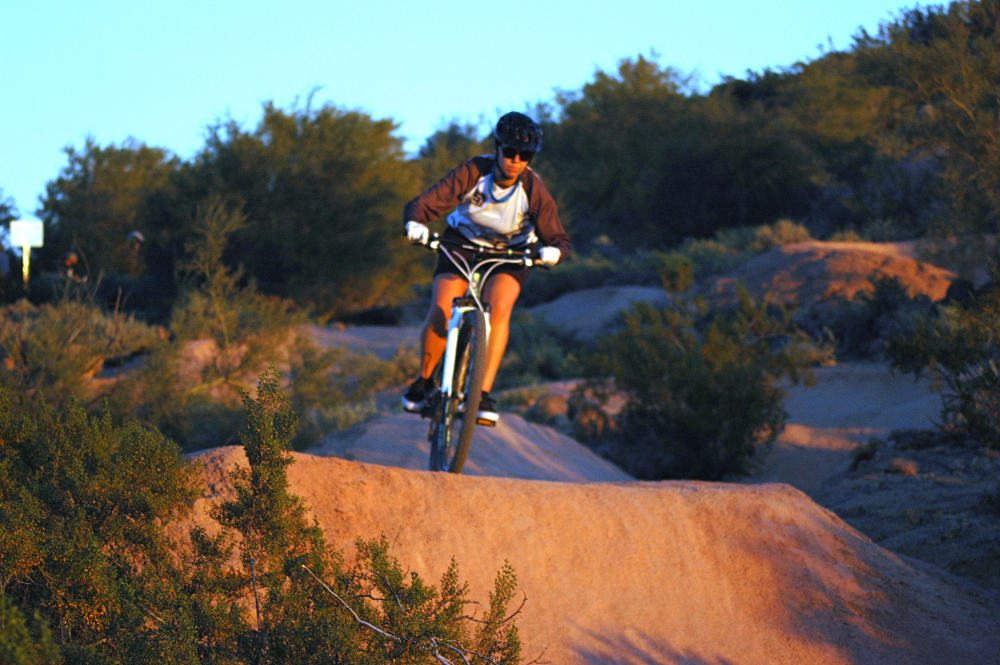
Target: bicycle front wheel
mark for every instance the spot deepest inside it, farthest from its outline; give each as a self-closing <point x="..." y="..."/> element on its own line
<point x="455" y="414"/>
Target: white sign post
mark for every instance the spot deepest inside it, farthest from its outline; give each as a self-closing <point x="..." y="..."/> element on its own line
<point x="26" y="233"/>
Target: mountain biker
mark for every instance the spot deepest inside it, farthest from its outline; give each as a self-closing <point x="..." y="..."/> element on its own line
<point x="501" y="203"/>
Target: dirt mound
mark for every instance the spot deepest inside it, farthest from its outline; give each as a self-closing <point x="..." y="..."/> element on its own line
<point x="816" y="272"/>
<point x="651" y="573"/>
<point x="586" y="314"/>
<point x="514" y="448"/>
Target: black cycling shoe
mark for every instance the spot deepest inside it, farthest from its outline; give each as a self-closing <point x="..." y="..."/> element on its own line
<point x="415" y="397"/>
<point x="487" y="414"/>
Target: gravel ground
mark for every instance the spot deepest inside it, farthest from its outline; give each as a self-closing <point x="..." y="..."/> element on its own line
<point x="929" y="495"/>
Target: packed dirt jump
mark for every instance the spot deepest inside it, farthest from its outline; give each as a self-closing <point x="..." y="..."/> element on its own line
<point x="671" y="573"/>
<point x="679" y="573"/>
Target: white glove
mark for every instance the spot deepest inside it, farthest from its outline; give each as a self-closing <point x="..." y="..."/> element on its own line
<point x="549" y="256"/>
<point x="417" y="233"/>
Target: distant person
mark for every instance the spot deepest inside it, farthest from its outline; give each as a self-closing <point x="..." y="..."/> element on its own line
<point x="500" y="203"/>
<point x="69" y="267"/>
<point x="129" y="254"/>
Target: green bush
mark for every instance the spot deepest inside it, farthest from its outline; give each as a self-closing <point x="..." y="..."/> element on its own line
<point x="960" y="350"/>
<point x="22" y="643"/>
<point x="702" y="392"/>
<point x="53" y="352"/>
<point x="82" y="507"/>
<point x="862" y="328"/>
<point x="224" y="334"/>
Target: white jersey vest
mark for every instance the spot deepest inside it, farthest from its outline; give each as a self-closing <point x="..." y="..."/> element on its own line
<point x="494" y="217"/>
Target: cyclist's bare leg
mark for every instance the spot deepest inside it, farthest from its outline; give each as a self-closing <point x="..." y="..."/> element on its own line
<point x="501" y="292"/>
<point x="434" y="334"/>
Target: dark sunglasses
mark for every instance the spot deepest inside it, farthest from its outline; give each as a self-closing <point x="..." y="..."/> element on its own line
<point x="510" y="153"/>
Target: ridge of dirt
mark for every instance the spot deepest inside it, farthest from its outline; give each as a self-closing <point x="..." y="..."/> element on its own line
<point x="514" y="448"/>
<point x="653" y="573"/>
<point x="816" y="272"/>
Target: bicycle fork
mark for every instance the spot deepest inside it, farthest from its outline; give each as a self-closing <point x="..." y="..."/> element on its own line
<point x="451" y="345"/>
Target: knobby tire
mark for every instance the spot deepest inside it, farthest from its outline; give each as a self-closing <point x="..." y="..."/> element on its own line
<point x="450" y="448"/>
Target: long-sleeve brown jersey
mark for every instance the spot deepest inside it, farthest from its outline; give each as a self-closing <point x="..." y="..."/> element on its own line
<point x="515" y="215"/>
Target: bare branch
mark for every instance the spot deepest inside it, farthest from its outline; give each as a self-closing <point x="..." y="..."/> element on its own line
<point x="448" y="646"/>
<point x="514" y="614"/>
<point x="434" y="649"/>
<point x="539" y="661"/>
<point x="353" y="613"/>
<point x="474" y="653"/>
<point x="391" y="590"/>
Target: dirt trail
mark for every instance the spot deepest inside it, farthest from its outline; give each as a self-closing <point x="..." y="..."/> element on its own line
<point x="850" y="404"/>
<point x="681" y="573"/>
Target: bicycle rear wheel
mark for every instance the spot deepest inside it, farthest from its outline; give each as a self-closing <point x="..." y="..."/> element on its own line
<point x="455" y="415"/>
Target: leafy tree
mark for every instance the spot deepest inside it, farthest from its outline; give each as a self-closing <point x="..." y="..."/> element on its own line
<point x="842" y="117"/>
<point x="19" y="644"/>
<point x="447" y="148"/>
<point x="941" y="65"/>
<point x="104" y="194"/>
<point x="646" y="163"/>
<point x="321" y="190"/>
<point x="8" y="208"/>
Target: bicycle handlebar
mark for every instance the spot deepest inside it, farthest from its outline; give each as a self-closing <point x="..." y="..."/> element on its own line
<point x="527" y="257"/>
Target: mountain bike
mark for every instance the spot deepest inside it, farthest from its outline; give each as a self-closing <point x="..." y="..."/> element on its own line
<point x="453" y="408"/>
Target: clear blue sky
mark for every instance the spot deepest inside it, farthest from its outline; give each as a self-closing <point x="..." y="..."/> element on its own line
<point x="162" y="71"/>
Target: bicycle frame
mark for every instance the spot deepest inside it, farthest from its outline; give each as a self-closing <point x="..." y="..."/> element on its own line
<point x="472" y="299"/>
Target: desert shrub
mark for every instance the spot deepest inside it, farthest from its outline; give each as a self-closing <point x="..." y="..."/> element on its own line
<point x="728" y="249"/>
<point x="225" y="332"/>
<point x="846" y="235"/>
<point x="578" y="272"/>
<point x="863" y="327"/>
<point x="83" y="548"/>
<point x="308" y="607"/>
<point x="55" y="351"/>
<point x="866" y="452"/>
<point x="334" y="388"/>
<point x="702" y="390"/>
<point x="188" y="387"/>
<point x="960" y="350"/>
<point x="82" y="506"/>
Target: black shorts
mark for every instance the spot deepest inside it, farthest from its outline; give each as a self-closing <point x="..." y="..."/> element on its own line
<point x="446" y="267"/>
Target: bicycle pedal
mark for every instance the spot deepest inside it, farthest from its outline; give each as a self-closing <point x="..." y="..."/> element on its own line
<point x="485" y="422"/>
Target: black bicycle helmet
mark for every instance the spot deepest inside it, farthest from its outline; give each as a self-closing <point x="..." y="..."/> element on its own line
<point x="516" y="130"/>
